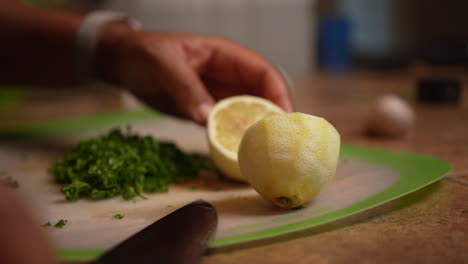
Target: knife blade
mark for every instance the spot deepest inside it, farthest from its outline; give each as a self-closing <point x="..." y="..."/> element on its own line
<point x="180" y="237"/>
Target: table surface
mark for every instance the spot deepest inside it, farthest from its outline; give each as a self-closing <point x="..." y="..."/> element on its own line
<point x="429" y="226"/>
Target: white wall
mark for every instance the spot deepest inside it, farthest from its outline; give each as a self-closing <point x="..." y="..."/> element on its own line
<point x="281" y="30"/>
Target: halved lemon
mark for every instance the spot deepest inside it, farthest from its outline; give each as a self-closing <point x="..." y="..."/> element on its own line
<point x="227" y="123"/>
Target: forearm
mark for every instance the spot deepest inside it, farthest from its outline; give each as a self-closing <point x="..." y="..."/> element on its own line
<point x="37" y="45"/>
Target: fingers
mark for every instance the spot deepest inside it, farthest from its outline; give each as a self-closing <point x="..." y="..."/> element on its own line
<point x="160" y="101"/>
<point x="178" y="63"/>
<point x="188" y="91"/>
<point x="237" y="65"/>
<point x="290" y="86"/>
<point x="275" y="88"/>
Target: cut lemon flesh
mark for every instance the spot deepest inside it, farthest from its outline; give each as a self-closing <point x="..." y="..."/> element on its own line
<point x="227" y="123"/>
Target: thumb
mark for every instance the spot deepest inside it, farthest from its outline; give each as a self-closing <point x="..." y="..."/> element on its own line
<point x="188" y="91"/>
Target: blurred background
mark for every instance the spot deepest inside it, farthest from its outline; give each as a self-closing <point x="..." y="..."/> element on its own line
<point x="310" y="35"/>
<point x="349" y="51"/>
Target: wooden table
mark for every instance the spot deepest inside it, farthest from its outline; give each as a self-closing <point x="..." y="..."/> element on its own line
<point x="429" y="226"/>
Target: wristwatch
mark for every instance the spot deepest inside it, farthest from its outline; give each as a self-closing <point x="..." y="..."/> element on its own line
<point x="87" y="37"/>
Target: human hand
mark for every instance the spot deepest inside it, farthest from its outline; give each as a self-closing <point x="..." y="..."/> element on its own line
<point x="22" y="239"/>
<point x="185" y="74"/>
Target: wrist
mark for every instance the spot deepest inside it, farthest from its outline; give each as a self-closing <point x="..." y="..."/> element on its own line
<point x="107" y="56"/>
<point x="97" y="42"/>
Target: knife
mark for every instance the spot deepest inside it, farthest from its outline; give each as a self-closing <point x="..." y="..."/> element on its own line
<point x="180" y="237"/>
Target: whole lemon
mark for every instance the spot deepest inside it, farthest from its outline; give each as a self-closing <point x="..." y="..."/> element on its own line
<point x="288" y="158"/>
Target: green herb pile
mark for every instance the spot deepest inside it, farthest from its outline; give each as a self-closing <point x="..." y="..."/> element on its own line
<point x="123" y="164"/>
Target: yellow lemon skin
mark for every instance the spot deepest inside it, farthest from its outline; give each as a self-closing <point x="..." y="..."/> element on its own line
<point x="288" y="158"/>
<point x="227" y="123"/>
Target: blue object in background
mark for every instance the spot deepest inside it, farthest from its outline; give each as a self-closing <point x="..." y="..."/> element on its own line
<point x="335" y="43"/>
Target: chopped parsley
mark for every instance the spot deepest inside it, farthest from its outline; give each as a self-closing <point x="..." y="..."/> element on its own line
<point x="119" y="216"/>
<point x="47" y="224"/>
<point x="61" y="223"/>
<point x="122" y="164"/>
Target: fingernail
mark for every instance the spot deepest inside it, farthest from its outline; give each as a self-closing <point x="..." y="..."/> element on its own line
<point x="203" y="112"/>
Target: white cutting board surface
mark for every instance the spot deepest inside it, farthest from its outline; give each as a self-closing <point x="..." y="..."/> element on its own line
<point x="241" y="210"/>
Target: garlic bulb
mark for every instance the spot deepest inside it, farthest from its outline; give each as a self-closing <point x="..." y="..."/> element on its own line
<point x="390" y="116"/>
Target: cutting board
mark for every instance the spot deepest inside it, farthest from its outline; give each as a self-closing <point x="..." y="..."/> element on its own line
<point x="365" y="178"/>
